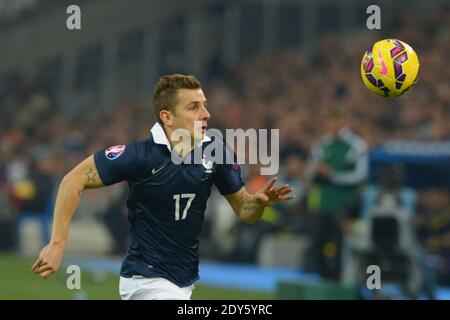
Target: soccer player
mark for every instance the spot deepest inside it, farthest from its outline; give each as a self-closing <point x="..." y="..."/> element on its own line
<point x="166" y="201"/>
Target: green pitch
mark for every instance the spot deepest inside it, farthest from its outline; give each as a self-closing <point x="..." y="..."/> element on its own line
<point x="18" y="282"/>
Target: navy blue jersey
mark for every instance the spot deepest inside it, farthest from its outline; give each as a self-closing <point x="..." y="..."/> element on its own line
<point x="166" y="205"/>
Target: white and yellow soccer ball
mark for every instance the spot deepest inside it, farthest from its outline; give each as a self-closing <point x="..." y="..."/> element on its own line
<point x="390" y="68"/>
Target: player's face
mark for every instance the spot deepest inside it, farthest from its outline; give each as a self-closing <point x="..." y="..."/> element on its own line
<point x="191" y="106"/>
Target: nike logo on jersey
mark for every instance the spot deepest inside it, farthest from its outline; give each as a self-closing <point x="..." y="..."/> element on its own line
<point x="159" y="169"/>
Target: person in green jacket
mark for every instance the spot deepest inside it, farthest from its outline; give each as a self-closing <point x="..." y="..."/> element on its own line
<point x="336" y="170"/>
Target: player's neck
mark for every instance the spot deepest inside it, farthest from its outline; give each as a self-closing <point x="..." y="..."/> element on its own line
<point x="182" y="146"/>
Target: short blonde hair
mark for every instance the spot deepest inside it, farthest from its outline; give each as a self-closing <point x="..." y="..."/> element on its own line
<point x="165" y="92"/>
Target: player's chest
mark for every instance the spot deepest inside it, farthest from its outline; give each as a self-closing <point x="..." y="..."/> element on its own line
<point x="168" y="176"/>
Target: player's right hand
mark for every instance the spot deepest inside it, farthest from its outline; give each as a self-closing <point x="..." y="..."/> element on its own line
<point x="49" y="260"/>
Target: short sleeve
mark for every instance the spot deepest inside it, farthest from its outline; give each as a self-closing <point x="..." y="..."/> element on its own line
<point x="122" y="162"/>
<point x="228" y="178"/>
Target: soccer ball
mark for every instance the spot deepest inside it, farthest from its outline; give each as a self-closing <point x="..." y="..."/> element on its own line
<point x="390" y="68"/>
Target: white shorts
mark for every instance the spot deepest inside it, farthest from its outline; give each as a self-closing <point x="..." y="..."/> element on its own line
<point x="140" y="288"/>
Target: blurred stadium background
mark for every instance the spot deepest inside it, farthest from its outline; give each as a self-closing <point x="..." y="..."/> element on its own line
<point x="292" y="65"/>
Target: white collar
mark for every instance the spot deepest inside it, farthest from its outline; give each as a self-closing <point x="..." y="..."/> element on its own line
<point x="159" y="136"/>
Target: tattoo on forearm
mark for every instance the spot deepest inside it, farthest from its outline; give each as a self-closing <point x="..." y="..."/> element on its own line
<point x="91" y="177"/>
<point x="251" y="205"/>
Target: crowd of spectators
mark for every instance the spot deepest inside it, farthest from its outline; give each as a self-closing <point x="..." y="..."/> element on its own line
<point x="288" y="90"/>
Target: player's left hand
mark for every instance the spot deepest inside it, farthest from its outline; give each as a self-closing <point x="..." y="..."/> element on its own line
<point x="269" y="195"/>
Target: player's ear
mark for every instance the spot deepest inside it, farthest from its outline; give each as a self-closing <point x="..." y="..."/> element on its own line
<point x="166" y="117"/>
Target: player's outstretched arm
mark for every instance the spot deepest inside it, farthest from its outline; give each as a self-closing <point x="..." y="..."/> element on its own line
<point x="83" y="176"/>
<point x="250" y="207"/>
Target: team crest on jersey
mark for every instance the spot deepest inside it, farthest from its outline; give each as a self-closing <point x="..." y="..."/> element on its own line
<point x="208" y="165"/>
<point x="114" y="152"/>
